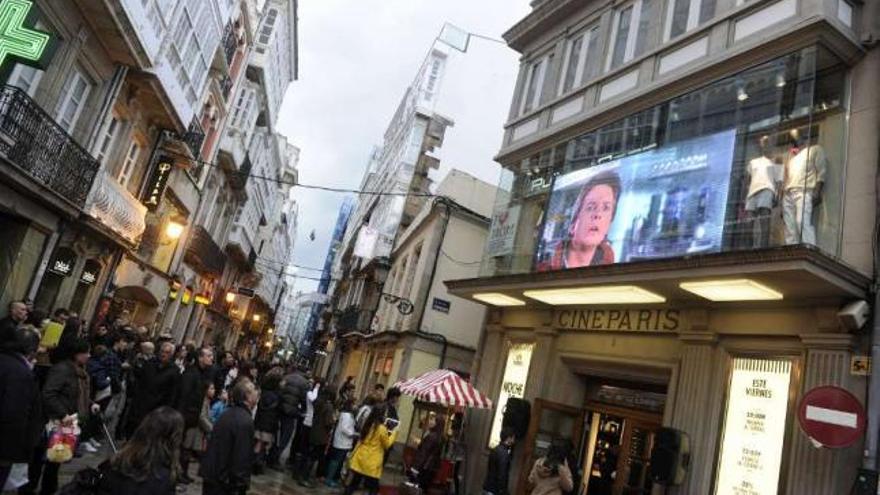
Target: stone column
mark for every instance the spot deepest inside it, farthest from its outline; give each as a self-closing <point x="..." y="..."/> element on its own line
<point x="699" y="399"/>
<point x="541" y="369"/>
<point x="819" y="471"/>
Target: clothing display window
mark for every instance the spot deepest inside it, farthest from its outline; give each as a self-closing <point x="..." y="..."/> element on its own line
<point x="750" y="161"/>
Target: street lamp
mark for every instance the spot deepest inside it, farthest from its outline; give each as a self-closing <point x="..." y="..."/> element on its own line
<point x="270" y="331"/>
<point x="256" y="318"/>
<point x="230" y="297"/>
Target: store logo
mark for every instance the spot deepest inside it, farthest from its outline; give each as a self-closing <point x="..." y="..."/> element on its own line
<point x="61" y="267"/>
<point x="17" y="40"/>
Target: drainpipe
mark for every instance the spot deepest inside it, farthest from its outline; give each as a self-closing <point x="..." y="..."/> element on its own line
<point x="873" y="427"/>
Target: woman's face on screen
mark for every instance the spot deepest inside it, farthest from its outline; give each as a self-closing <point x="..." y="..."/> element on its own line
<point x="594" y="217"/>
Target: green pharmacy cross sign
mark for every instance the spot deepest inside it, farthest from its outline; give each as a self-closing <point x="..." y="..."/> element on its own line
<point x="20" y="42"/>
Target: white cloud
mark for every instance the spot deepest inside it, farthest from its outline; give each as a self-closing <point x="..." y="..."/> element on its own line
<point x="357" y="58"/>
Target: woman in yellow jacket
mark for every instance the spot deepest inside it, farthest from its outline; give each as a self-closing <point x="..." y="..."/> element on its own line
<point x="366" y="461"/>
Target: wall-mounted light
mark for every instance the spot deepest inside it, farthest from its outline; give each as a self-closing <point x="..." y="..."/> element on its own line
<point x="498" y="299"/>
<point x="780" y="80"/>
<point x="732" y="290"/>
<point x="256" y="318"/>
<point x="230" y="297"/>
<point x="174" y="229"/>
<point x="270" y="331"/>
<point x="741" y="94"/>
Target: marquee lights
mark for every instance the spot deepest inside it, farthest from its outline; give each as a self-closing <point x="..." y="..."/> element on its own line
<point x="19" y="41"/>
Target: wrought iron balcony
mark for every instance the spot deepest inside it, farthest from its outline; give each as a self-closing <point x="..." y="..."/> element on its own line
<point x="194" y="137"/>
<point x="35" y="143"/>
<point x="230" y="42"/>
<point x="203" y="254"/>
<point x="353" y="319"/>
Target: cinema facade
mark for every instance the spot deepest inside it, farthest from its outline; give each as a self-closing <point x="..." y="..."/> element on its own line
<point x="687" y="204"/>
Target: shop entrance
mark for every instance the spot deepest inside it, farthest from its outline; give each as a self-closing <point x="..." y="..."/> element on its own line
<point x="611" y="437"/>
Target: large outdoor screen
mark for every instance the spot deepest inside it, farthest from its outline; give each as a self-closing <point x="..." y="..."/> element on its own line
<point x="669" y="201"/>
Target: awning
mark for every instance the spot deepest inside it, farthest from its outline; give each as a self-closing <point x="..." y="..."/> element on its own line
<point x="444" y="387"/>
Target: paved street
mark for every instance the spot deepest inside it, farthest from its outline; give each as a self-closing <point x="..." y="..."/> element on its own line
<point x="271" y="483"/>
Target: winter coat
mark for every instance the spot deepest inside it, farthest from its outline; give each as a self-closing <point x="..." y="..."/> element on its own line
<point x="345" y="433"/>
<point x="195" y="438"/>
<point x="293" y="394"/>
<point x="191" y="393"/>
<point x="229" y="457"/>
<point x="428" y="455"/>
<point x="267" y="412"/>
<point x="498" y="473"/>
<point x="105" y="370"/>
<point x="21" y="417"/>
<point x="156" y="387"/>
<point x="545" y="482"/>
<point x="322" y="422"/>
<point x="115" y="483"/>
<point x="217" y="410"/>
<point x="66" y="391"/>
<point x="369" y="454"/>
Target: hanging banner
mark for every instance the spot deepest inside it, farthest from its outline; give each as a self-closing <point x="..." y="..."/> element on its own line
<point x="754" y="427"/>
<point x="503" y="231"/>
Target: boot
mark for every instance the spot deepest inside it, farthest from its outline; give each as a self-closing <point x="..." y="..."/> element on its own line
<point x="332" y="469"/>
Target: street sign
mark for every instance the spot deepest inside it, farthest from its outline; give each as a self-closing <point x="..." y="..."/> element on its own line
<point x="860" y="365"/>
<point x="18" y="39"/>
<point x="832" y="417"/>
<point x="246" y="292"/>
<point x="441" y="305"/>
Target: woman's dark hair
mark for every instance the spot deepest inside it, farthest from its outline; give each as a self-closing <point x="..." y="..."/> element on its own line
<point x="439" y="425"/>
<point x="376" y="417"/>
<point x="347" y="405"/>
<point x="370" y="400"/>
<point x="272" y="379"/>
<point x="607" y="178"/>
<point x="328" y="392"/>
<point x="557" y="454"/>
<point x="154" y="447"/>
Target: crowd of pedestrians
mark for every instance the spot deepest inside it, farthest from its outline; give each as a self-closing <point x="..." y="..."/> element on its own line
<point x="168" y="407"/>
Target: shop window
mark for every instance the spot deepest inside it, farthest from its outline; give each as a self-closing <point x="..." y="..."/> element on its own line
<point x="749" y="161"/>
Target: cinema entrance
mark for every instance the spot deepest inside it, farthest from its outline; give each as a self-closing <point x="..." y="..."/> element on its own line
<point x="611" y="436"/>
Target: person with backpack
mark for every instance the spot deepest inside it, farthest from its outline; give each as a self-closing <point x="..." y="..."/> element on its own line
<point x="146" y="465"/>
<point x="377" y="437"/>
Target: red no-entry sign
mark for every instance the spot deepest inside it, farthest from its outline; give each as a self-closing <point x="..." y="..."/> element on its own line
<point x="832" y="417"/>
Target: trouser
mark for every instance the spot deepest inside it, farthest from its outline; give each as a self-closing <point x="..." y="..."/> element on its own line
<point x="316" y="453"/>
<point x="797" y="214"/>
<point x="299" y="451"/>
<point x="761" y="227"/>
<point x="285" y="434"/>
<point x="335" y="459"/>
<point x="371" y="484"/>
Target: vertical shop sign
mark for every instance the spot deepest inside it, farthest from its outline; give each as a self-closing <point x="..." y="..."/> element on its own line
<point x="158" y="182"/>
<point x="754" y="427"/>
<point x="516" y="373"/>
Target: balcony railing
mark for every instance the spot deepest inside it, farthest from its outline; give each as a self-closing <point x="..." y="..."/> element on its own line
<point x="226" y="87"/>
<point x="34" y="142"/>
<point x="194" y="137"/>
<point x="203" y="254"/>
<point x="230" y="42"/>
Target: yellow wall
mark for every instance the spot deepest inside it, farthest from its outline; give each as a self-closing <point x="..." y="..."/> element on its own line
<point x="419" y="362"/>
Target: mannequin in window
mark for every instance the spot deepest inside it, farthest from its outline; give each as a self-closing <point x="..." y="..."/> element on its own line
<point x="765" y="179"/>
<point x="804" y="181"/>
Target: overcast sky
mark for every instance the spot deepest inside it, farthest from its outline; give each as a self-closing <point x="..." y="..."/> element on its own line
<point x="357" y="57"/>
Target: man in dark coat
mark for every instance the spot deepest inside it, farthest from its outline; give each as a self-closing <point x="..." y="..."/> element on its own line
<point x="293" y="392"/>
<point x="157" y="383"/>
<point x="191" y="396"/>
<point x="222" y="371"/>
<point x="18" y="313"/>
<point x="498" y="473"/>
<point x="20" y="404"/>
<point x="227" y="463"/>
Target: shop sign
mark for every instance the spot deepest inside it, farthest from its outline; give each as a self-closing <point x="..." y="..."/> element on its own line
<point x="19" y="40"/>
<point x="754" y="427"/>
<point x="202" y="299"/>
<point x="441" y="305"/>
<point x="619" y="320"/>
<point x="90" y="272"/>
<point x="516" y="373"/>
<point x="187" y="296"/>
<point x="244" y="291"/>
<point x="503" y="232"/>
<point x="158" y="182"/>
<point x="63" y="261"/>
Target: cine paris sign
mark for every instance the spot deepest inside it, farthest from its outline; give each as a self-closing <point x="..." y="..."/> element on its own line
<point x="19" y="40"/>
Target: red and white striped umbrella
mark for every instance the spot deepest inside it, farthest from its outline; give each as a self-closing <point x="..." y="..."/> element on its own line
<point x="444" y="387"/>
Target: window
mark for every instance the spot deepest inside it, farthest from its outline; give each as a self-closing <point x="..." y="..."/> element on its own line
<point x="74" y="99"/>
<point x="630" y="32"/>
<point x="535" y="84"/>
<point x="266" y="30"/>
<point x="196" y="36"/>
<point x="25" y="78"/>
<point x="579" y="57"/>
<point x="107" y="141"/>
<point x="128" y="165"/>
<point x="684" y="15"/>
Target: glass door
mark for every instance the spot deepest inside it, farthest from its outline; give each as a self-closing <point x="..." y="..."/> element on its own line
<point x="550" y="421"/>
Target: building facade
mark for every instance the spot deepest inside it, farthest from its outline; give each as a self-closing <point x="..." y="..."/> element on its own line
<point x="687" y="203"/>
<point x="128" y="219"/>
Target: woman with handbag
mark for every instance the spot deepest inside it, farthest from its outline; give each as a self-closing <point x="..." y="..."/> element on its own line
<point x="377" y="436"/>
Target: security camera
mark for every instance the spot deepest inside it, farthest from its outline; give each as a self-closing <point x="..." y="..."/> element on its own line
<point x="854" y="315"/>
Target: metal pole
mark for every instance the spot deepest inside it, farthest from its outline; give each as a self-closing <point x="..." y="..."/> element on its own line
<point x="873" y="427"/>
